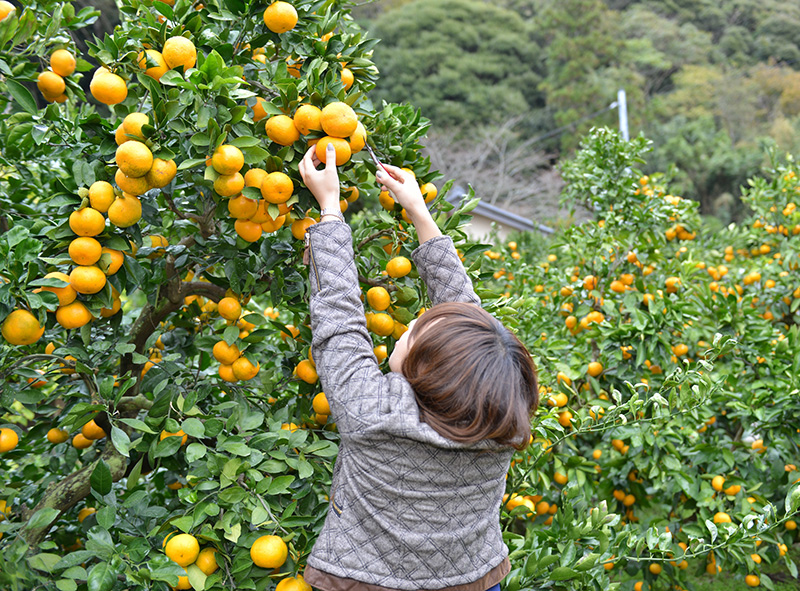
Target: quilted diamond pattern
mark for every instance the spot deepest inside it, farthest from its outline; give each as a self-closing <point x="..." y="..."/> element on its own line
<point x="414" y="510"/>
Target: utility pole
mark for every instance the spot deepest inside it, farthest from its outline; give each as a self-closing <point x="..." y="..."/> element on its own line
<point x="622" y="105"/>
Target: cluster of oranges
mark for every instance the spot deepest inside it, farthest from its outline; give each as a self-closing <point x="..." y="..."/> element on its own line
<point x="233" y="365"/>
<point x="51" y="82"/>
<point x="184" y="550"/>
<point x="252" y="216"/>
<point x="138" y="170"/>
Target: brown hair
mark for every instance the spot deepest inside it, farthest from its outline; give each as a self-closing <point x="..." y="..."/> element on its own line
<point x="473" y="378"/>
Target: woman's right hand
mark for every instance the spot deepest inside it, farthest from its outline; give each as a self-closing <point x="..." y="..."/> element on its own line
<point x="403" y="187"/>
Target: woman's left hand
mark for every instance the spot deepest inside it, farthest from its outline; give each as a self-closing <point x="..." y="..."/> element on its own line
<point x="324" y="183"/>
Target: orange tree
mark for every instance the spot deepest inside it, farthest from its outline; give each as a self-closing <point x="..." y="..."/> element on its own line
<point x="162" y="420"/>
<point x="670" y="360"/>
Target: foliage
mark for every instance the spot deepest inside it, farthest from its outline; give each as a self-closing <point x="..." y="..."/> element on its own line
<point x="720" y="73"/>
<point x="696" y="336"/>
<point x="463" y="62"/>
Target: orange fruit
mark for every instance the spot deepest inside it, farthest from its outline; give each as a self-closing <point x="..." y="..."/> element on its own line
<point x="131" y="185"/>
<point x="227" y="159"/>
<point x="429" y="192"/>
<point x="722" y="518"/>
<point x="307" y="119"/>
<point x="254" y="177"/>
<point x="752" y="581"/>
<point x="241" y="207"/>
<point x="92" y="430"/>
<point x="224" y="353"/>
<point x="293" y="584"/>
<point x="6" y="8"/>
<point x="228" y="185"/>
<point x="280" y="17"/>
<point x="108" y="88"/>
<point x="381" y="324"/>
<point x="182" y="549"/>
<point x="378" y="298"/>
<point x="320" y="404"/>
<point x="67" y="294"/>
<point x="352" y="194"/>
<point x="157" y="66"/>
<point x="259" y="112"/>
<point x="281" y="130"/>
<point x="380" y="353"/>
<point x="119" y="135"/>
<point x="179" y="52"/>
<point x="269" y="552"/>
<point x="73" y="315"/>
<point x="358" y="140"/>
<point x="87" y="222"/>
<point x="101" y="195"/>
<point x="8" y="439"/>
<point x="277" y="187"/>
<point x="132" y="124"/>
<point x="343" y="151"/>
<point x="115" y="307"/>
<point x="56" y="435"/>
<point x="62" y="62"/>
<point x="300" y="226"/>
<point x="87" y="279"/>
<point x="229" y="308"/>
<point x="398" y="267"/>
<point x="273" y="225"/>
<point x="306" y="371"/>
<point x="226" y="373"/>
<point x="244" y="369"/>
<point x="117" y="258"/>
<point x="247" y="230"/>
<point x="125" y="211"/>
<point x="21" y="327"/>
<point x="655" y="568"/>
<point x="80" y="442"/>
<point x="262" y="213"/>
<point x="134" y="159"/>
<point x="347" y="78"/>
<point x="179" y="433"/>
<point x="50" y="84"/>
<point x="595" y="369"/>
<point x="206" y="561"/>
<point x="85" y="512"/>
<point x="718" y="483"/>
<point x="339" y="120"/>
<point x="84" y="250"/>
<point x="161" y="173"/>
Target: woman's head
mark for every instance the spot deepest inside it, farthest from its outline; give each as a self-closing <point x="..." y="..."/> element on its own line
<point x="473" y="378"/>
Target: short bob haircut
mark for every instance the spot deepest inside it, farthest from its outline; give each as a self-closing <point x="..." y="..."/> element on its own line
<point x="473" y="378"/>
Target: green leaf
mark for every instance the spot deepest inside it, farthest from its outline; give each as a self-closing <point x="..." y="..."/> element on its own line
<point x="66" y="585"/>
<point x="280" y="484"/>
<point x="106" y="517"/>
<point x="23" y="96"/>
<point x="101" y="478"/>
<point x="42" y="518"/>
<point x="167" y="447"/>
<point x="44" y="561"/>
<point x="193" y="427"/>
<point x="562" y="573"/>
<point x="120" y="440"/>
<point x="101" y="577"/>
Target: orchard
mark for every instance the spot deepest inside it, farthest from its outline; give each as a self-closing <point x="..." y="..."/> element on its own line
<point x="162" y="421"/>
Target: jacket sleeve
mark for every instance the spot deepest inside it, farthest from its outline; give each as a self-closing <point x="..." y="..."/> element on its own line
<point x="341" y="346"/>
<point x="441" y="270"/>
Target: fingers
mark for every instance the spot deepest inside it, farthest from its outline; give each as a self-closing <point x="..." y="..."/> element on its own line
<point x="330" y="158"/>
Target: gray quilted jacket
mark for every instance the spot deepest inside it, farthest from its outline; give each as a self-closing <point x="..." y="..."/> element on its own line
<point x="409" y="509"/>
